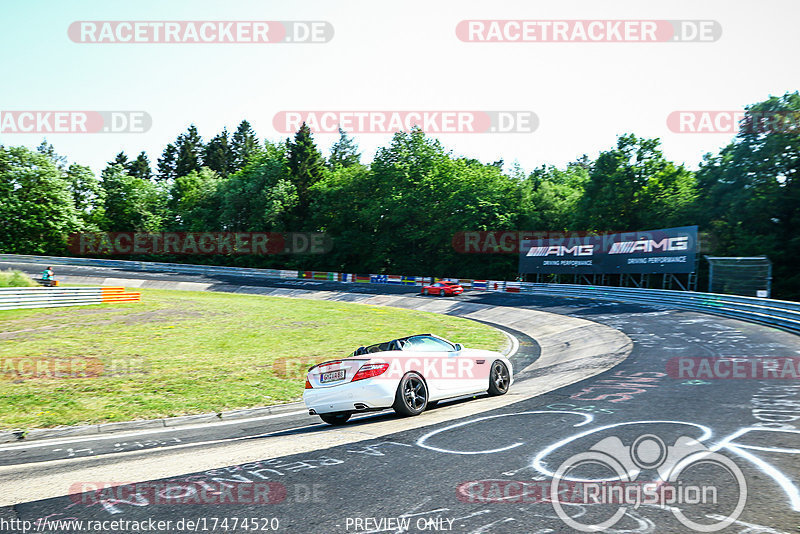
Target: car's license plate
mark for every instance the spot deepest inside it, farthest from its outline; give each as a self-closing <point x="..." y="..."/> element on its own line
<point x="332" y="376"/>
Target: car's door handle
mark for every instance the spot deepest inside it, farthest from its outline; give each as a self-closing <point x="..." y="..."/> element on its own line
<point x="480" y="361"/>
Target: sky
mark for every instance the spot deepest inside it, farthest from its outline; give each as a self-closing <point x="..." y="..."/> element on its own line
<point x="398" y="56"/>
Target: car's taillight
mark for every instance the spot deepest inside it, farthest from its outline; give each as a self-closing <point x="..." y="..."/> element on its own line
<point x="369" y="370"/>
<point x="308" y="384"/>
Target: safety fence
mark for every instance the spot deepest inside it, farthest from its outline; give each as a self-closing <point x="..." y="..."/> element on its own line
<point x="14" y="298"/>
<point x="777" y="313"/>
<point x="211" y="270"/>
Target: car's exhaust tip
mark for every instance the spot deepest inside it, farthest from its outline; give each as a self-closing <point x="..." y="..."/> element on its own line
<point x="360" y="406"/>
<point x="312" y="412"/>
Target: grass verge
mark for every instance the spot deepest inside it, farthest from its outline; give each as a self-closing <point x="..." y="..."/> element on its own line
<point x="186" y="352"/>
<point x="16" y="279"/>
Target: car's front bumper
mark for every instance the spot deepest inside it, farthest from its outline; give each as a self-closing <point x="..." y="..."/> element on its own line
<point x="368" y="394"/>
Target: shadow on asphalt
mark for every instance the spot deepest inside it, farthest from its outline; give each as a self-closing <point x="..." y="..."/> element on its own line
<point x="363" y="420"/>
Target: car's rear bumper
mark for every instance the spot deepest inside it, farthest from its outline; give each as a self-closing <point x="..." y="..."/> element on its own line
<point x="367" y="394"/>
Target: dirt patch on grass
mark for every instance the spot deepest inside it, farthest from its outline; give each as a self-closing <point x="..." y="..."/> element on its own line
<point x="299" y="324"/>
<point x="169" y="314"/>
<point x="158" y="315"/>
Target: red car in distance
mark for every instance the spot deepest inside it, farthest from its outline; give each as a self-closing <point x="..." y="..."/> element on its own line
<point x="442" y="289"/>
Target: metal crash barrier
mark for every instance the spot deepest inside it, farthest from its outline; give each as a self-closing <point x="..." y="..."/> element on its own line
<point x="15" y="298"/>
<point x="778" y="313"/>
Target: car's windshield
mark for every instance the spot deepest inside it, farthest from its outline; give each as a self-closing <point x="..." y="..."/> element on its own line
<point x="427" y="343"/>
<point x="410" y="344"/>
<point x="377" y="347"/>
<point x="380" y="347"/>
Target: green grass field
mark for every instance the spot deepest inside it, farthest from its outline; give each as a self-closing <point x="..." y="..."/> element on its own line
<point x="182" y="352"/>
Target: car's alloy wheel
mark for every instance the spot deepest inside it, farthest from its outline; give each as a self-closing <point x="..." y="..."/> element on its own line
<point x="412" y="395"/>
<point x="499" y="379"/>
<point x="441" y="292"/>
<point x="335" y="419"/>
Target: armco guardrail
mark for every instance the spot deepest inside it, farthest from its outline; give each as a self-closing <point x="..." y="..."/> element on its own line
<point x="14" y="298"/>
<point x="778" y="313"/>
<point x="187" y="268"/>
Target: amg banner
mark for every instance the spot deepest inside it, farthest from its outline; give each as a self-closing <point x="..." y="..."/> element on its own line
<point x="670" y="250"/>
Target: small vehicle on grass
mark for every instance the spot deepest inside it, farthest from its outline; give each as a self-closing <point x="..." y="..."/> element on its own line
<point x="407" y="374"/>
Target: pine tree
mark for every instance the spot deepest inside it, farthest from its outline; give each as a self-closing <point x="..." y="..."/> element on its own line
<point x="306" y="167"/>
<point x="344" y="152"/>
<point x="243" y="145"/>
<point x="217" y="154"/>
<point x="166" y="163"/>
<point x="189" y="152"/>
<point x="140" y="167"/>
<point x="119" y="159"/>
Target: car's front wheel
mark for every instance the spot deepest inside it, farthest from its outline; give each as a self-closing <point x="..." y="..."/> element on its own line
<point x="335" y="419"/>
<point x="412" y="395"/>
<point x="499" y="379"/>
<point x="441" y="292"/>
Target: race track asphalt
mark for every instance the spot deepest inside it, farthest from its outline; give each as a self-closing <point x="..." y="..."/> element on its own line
<point x="488" y="472"/>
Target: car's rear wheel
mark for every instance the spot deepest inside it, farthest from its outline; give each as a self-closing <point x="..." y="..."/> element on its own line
<point x="499" y="379"/>
<point x="335" y="419"/>
<point x="412" y="395"/>
<point x="441" y="292"/>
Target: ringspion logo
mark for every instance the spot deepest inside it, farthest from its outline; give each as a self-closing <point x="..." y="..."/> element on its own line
<point x="199" y="31"/>
<point x="588" y="31"/>
<point x="609" y="473"/>
<point x="57" y="122"/>
<point x="431" y="122"/>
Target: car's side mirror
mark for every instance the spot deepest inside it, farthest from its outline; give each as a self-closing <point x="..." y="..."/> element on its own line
<point x="459" y="347"/>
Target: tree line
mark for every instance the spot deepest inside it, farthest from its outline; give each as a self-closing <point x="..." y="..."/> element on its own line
<point x="399" y="213"/>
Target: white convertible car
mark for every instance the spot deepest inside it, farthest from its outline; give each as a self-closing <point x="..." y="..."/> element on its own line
<point x="407" y="374"/>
